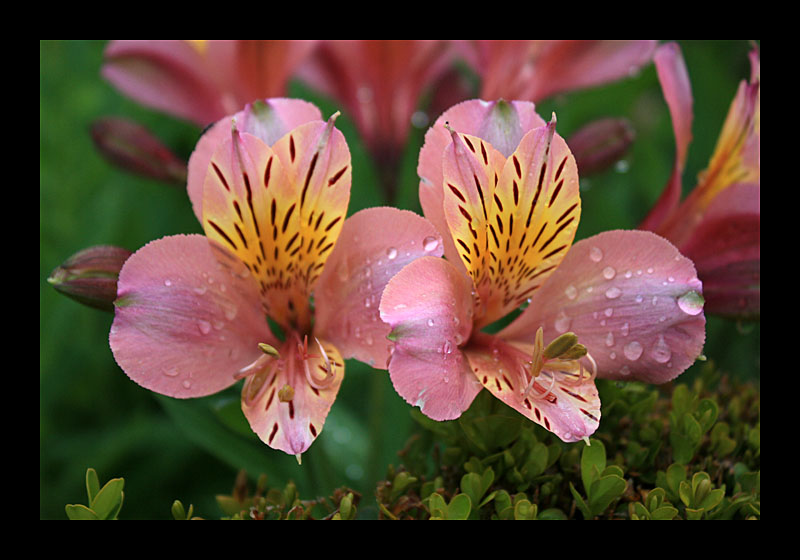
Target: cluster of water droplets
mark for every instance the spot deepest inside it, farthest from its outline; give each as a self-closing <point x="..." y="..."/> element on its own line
<point x="210" y="286"/>
<point x="690" y="303"/>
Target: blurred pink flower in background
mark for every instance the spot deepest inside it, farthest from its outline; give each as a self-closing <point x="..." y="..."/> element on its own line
<point x="718" y="225"/>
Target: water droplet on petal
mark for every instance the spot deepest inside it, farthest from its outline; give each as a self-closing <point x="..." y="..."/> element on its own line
<point x="609" y="340"/>
<point x="391" y="253"/>
<point x="168" y="283"/>
<point x="609" y="273"/>
<point x="204" y="326"/>
<point x="596" y="254"/>
<point x="691" y="303"/>
<point x="171" y="372"/>
<point x="186" y="384"/>
<point x="571" y="292"/>
<point x="633" y="350"/>
<point x="430" y="243"/>
<point x="660" y="352"/>
<point x="608" y="312"/>
<point x="562" y="322"/>
<point x="430" y="322"/>
<point x="625" y="329"/>
<point x="200" y="290"/>
<point x="613" y="292"/>
<point x="342" y="271"/>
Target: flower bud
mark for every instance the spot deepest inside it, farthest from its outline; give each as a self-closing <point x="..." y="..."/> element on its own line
<point x="90" y="276"/>
<point x="132" y="147"/>
<point x="600" y="144"/>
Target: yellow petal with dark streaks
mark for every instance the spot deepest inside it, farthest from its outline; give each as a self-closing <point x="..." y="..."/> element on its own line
<point x="534" y="219"/>
<point x="471" y="170"/>
<point x="316" y="159"/>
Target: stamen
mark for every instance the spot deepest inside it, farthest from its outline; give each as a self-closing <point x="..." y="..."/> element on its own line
<point x="260" y="363"/>
<point x="549" y="389"/>
<point x="329" y="373"/>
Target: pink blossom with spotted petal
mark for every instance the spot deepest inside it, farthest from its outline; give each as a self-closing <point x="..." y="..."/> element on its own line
<point x="502" y="187"/>
<point x="192" y="311"/>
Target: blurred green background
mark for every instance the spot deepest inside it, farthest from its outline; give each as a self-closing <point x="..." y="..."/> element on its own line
<point x="92" y="415"/>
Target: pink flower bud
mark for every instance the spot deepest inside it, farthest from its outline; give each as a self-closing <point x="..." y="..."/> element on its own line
<point x="132" y="147"/>
<point x="90" y="276"/>
<point x="600" y="144"/>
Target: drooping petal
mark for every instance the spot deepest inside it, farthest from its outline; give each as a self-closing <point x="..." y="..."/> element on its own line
<point x="268" y="120"/>
<point x="677" y="90"/>
<point x="533" y="221"/>
<point x="500" y="123"/>
<point x="171" y="76"/>
<point x="283" y="408"/>
<point x="726" y="249"/>
<point x="633" y="300"/>
<point x="568" y="408"/>
<point x="186" y="321"/>
<point x="373" y="246"/>
<point x="429" y="305"/>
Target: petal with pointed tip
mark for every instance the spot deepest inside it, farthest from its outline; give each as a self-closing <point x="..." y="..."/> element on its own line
<point x="291" y="425"/>
<point x="571" y="411"/>
<point x="633" y="300"/>
<point x="428" y="305"/>
<point x="373" y="246"/>
<point x="185" y="323"/>
<point x="269" y="120"/>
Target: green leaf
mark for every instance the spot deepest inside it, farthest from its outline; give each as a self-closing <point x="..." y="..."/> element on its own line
<point x="664" y="513"/>
<point x="459" y="507"/>
<point x="524" y="510"/>
<point x="92" y="484"/>
<point x="707" y="413"/>
<point x="593" y="462"/>
<point x="604" y="491"/>
<point x="587" y="513"/>
<point x="475" y="486"/>
<point x="108" y="501"/>
<point x="79" y="512"/>
<point x="553" y="514"/>
<point x="437" y="506"/>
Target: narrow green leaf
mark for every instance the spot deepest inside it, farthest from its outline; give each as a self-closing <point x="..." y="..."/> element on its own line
<point x="92" y="484"/>
<point x="107" y="502"/>
<point x="79" y="512"/>
<point x="587" y="513"/>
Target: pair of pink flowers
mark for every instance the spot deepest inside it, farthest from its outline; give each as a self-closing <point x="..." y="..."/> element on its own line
<point x="499" y="189"/>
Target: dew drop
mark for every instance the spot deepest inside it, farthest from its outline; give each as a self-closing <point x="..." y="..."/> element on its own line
<point x="204" y="326"/>
<point x="625" y="370"/>
<point x="639" y="299"/>
<point x="613" y="292"/>
<point x="633" y="350"/>
<point x="186" y="384"/>
<point x="691" y="303"/>
<point x="562" y="322"/>
<point x="430" y="243"/>
<point x="650" y="270"/>
<point x="171" y="372"/>
<point x="608" y="312"/>
<point x="368" y="340"/>
<point x="609" y="273"/>
<point x="609" y="340"/>
<point x="391" y="253"/>
<point x="660" y="352"/>
<point x="168" y="283"/>
<point x="596" y="254"/>
<point x="571" y="292"/>
<point x="628" y="274"/>
<point x="625" y="329"/>
<point x="430" y="322"/>
<point x="200" y="290"/>
<point x="342" y="271"/>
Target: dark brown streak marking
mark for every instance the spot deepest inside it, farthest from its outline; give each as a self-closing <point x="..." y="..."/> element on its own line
<point x="496" y="241"/>
<point x="337" y="176"/>
<point x="272" y="434"/>
<point x="466" y="247"/>
<point x="291" y="410"/>
<point x="291" y="241"/>
<point x="573" y="395"/>
<point x="480" y="193"/>
<point x="464" y="213"/>
<point x="457" y="192"/>
<point x="497" y="201"/>
<point x="516" y="194"/>
<point x="221" y="176"/>
<point x="560" y="168"/>
<point x="316" y="225"/>
<point x="471" y="147"/>
<point x="223" y="234"/>
<point x="560" y="228"/>
<point x="551" y="253"/>
<point x="485" y="157"/>
<point x="238" y="210"/>
<point x="499" y="223"/>
<point x="312" y="429"/>
<point x="589" y="415"/>
<point x="538" y="235"/>
<point x="311" y="167"/>
<point x="517" y="167"/>
<point x="291" y="148"/>
<point x="555" y="193"/>
<point x="267" y="173"/>
<point x="241" y="235"/>
<point x="566" y="213"/>
<point x="273" y="210"/>
<point x="333" y="223"/>
<point x="287" y="217"/>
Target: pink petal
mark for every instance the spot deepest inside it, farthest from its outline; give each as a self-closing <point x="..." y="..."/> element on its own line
<point x="170" y="76"/>
<point x="428" y="304"/>
<point x="500" y="123"/>
<point x="633" y="300"/>
<point x="373" y="246"/>
<point x="726" y="249"/>
<point x="677" y="90"/>
<point x="185" y="323"/>
<point x="268" y="120"/>
<point x="569" y="410"/>
<point x="291" y="425"/>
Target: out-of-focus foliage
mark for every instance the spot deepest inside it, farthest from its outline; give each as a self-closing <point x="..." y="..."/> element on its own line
<point x="92" y="414"/>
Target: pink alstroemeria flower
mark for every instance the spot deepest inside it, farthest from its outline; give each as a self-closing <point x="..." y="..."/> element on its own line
<point x="718" y="225"/>
<point x="535" y="70"/>
<point x="379" y="83"/>
<point x="270" y="186"/>
<point x="502" y="187"/>
<point x="202" y="81"/>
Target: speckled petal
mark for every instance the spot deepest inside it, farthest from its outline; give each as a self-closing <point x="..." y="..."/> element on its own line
<point x="633" y="300"/>
<point x="373" y="246"/>
<point x="428" y="305"/>
<point x="184" y="322"/>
